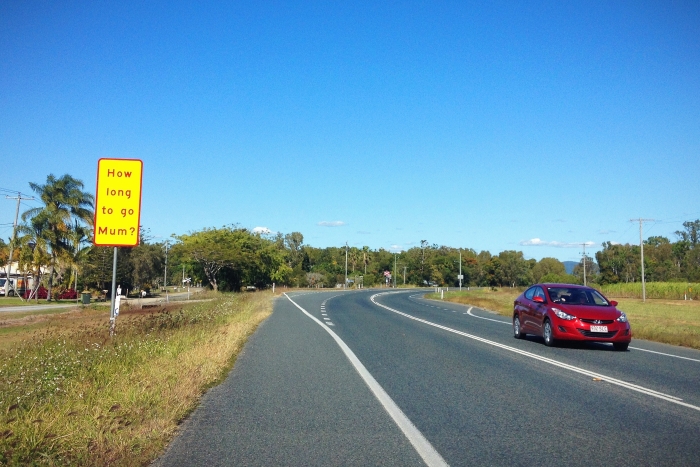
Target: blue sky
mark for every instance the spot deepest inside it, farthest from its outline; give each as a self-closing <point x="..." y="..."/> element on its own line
<point x="485" y="125"/>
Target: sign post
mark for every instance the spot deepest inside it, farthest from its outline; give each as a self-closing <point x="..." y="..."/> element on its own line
<point x="117" y="212"/>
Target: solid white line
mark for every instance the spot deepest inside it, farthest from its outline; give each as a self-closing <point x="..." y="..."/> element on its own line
<point x="469" y="312"/>
<point x="624" y="384"/>
<point x="666" y="354"/>
<point x="426" y="450"/>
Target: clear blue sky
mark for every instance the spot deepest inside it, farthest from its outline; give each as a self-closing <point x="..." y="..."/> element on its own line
<point x="471" y="124"/>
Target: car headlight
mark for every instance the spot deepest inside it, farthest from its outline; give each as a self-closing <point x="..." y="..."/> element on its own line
<point x="563" y="315"/>
<point x="623" y="317"/>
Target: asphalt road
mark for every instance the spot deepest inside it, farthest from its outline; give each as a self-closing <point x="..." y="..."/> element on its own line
<point x="443" y="384"/>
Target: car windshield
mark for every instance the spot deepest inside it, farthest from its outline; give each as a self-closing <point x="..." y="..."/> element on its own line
<point x="576" y="296"/>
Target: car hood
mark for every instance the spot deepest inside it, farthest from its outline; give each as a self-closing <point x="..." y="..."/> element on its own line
<point x="590" y="312"/>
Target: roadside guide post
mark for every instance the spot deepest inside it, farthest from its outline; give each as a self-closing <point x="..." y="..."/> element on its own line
<point x="117" y="214"/>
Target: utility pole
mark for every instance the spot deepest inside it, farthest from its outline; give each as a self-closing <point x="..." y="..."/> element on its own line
<point x="345" y="286"/>
<point x="19" y="198"/>
<point x="584" y="263"/>
<point x="460" y="270"/>
<point x="394" y="270"/>
<point x="641" y="248"/>
<point x="165" y="275"/>
<point x="404" y="275"/>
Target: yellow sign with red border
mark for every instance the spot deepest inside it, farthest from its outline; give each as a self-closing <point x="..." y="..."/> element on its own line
<point x="118" y="202"/>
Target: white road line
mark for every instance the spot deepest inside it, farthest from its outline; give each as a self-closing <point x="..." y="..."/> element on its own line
<point x="635" y="348"/>
<point x="422" y="446"/>
<point x="666" y="354"/>
<point x="624" y="384"/>
<point x="469" y="312"/>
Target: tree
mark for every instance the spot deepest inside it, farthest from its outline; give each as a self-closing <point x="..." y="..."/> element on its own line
<point x="212" y="249"/>
<point x="514" y="268"/>
<point x="64" y="202"/>
<point x="691" y="234"/>
<point x="547" y="266"/>
<point x="294" y="242"/>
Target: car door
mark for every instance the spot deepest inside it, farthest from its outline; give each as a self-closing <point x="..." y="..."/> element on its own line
<point x="539" y="309"/>
<point x="525" y="308"/>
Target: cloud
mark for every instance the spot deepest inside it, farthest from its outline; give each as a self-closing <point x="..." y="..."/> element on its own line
<point x="606" y="232"/>
<point x="554" y="243"/>
<point x="331" y="223"/>
<point x="396" y="248"/>
<point x="262" y="230"/>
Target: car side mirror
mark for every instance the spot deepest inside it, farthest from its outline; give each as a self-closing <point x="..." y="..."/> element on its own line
<point x="613" y="302"/>
<point x="538" y="299"/>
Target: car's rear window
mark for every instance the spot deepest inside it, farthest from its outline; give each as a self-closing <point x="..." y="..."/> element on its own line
<point x="576" y="296"/>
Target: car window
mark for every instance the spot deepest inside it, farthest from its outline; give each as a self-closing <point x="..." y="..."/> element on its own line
<point x="597" y="298"/>
<point x="576" y="296"/>
<point x="539" y="293"/>
<point x="529" y="293"/>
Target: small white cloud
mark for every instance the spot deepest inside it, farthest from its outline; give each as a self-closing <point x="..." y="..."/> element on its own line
<point x="533" y="242"/>
<point x="396" y="248"/>
<point x="554" y="243"/>
<point x="606" y="232"/>
<point x="262" y="230"/>
<point x="331" y="223"/>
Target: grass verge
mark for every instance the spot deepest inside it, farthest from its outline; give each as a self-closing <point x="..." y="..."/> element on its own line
<point x="675" y="322"/>
<point x="70" y="395"/>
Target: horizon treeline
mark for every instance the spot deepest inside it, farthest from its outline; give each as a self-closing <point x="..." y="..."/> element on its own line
<point x="230" y="258"/>
<point x="57" y="237"/>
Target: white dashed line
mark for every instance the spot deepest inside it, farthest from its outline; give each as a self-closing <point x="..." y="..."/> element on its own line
<point x="422" y="446"/>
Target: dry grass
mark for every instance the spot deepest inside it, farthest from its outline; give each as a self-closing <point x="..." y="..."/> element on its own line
<point x="73" y="396"/>
<point x="675" y="322"/>
<point x="499" y="300"/>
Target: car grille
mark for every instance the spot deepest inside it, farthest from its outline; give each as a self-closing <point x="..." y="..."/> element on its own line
<point x="598" y="321"/>
<point x="602" y="335"/>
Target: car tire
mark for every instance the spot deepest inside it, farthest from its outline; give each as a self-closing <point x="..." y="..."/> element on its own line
<point x="621" y="346"/>
<point x="548" y="334"/>
<point x="517" y="329"/>
<point x="11" y="293"/>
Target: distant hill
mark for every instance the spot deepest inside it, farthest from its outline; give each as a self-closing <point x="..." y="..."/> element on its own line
<point x="570" y="265"/>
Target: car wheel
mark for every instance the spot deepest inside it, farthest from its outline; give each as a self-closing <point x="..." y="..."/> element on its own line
<point x="548" y="334"/>
<point x="11" y="293"/>
<point x="517" y="330"/>
<point x="621" y="346"/>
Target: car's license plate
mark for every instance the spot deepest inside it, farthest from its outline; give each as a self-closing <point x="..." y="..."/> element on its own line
<point x="599" y="329"/>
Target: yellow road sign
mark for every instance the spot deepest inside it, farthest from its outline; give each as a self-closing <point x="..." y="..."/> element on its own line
<point x="118" y="202"/>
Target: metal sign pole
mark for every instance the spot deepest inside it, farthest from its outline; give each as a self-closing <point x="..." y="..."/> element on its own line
<point x="112" y="317"/>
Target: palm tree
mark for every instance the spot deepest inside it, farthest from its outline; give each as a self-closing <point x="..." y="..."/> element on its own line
<point x="33" y="251"/>
<point x="79" y="237"/>
<point x="366" y="257"/>
<point x="64" y="202"/>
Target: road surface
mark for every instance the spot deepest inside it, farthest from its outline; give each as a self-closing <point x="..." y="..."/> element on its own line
<point x="401" y="380"/>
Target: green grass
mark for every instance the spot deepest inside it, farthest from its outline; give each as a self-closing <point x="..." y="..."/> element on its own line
<point x="70" y="395"/>
<point x="675" y="322"/>
<point x="654" y="290"/>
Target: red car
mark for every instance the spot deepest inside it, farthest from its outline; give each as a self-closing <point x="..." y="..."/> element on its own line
<point x="570" y="312"/>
